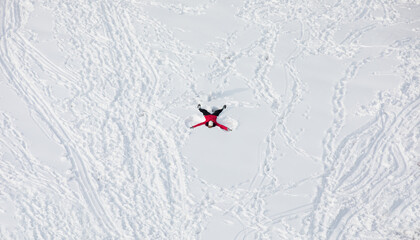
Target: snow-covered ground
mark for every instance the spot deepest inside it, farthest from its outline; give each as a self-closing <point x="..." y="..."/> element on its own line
<point x="97" y="97"/>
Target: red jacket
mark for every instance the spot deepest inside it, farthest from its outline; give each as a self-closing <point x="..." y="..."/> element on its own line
<point x="213" y="119"/>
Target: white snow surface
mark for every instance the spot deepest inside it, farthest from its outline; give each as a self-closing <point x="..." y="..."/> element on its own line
<point x="97" y="97"/>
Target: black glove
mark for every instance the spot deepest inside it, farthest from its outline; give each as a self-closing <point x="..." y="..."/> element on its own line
<point x="199" y="106"/>
<point x="224" y="106"/>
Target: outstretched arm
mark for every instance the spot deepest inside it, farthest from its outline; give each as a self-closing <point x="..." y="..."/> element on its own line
<point x="223" y="127"/>
<point x="198" y="125"/>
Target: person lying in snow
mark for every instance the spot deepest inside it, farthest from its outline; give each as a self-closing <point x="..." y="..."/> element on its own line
<point x="211" y="118"/>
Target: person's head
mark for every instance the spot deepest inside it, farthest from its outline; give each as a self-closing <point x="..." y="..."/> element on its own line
<point x="210" y="124"/>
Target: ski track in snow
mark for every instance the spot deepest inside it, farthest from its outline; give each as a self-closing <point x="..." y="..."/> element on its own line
<point x="126" y="74"/>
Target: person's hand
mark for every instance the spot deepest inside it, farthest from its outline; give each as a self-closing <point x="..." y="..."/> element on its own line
<point x="229" y="129"/>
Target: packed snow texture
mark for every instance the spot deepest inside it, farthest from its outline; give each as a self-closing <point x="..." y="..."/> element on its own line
<point x="97" y="97"/>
